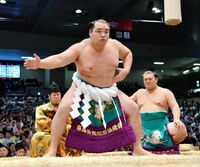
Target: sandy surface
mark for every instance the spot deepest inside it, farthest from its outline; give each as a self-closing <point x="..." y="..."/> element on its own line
<point x="118" y="159"/>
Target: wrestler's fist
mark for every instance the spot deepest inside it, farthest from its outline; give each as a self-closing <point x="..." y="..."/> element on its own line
<point x="178" y="124"/>
<point x="32" y="63"/>
<point x="120" y="75"/>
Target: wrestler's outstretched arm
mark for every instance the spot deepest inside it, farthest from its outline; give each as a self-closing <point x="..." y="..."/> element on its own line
<point x="54" y="61"/>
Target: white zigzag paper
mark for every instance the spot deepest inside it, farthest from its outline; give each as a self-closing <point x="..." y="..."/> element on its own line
<point x="86" y="122"/>
<point x="75" y="113"/>
<point x="86" y="113"/>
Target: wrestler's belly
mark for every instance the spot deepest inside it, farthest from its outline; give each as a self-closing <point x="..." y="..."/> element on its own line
<point x="99" y="79"/>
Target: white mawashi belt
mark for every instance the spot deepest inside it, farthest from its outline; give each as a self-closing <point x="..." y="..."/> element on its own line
<point x="91" y="92"/>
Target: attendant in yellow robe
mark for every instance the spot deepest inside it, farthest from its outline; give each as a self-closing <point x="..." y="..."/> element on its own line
<point x="44" y="114"/>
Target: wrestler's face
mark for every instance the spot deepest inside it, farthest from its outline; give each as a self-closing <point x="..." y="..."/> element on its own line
<point x="55" y="97"/>
<point x="150" y="82"/>
<point x="100" y="32"/>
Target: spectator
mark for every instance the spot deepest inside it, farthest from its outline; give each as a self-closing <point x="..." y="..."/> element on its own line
<point x="4" y="151"/>
<point x="20" y="150"/>
<point x="11" y="147"/>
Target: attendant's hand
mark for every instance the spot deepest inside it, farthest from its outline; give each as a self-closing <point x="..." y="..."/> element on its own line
<point x="121" y="75"/>
<point x="49" y="120"/>
<point x="32" y="63"/>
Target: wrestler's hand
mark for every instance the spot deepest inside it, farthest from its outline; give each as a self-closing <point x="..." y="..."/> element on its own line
<point x="121" y="74"/>
<point x="178" y="124"/>
<point x="32" y="63"/>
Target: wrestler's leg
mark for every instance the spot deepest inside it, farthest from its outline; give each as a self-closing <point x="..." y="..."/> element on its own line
<point x="59" y="121"/>
<point x="178" y="134"/>
<point x="132" y="111"/>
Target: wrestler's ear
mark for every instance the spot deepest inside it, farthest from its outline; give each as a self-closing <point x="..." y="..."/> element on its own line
<point x="90" y="32"/>
<point x="156" y="80"/>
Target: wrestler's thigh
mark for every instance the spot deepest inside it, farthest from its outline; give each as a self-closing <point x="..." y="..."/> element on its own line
<point x="66" y="101"/>
<point x="178" y="134"/>
<point x="129" y="106"/>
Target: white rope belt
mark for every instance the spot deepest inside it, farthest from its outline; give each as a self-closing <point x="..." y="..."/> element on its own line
<point x="91" y="92"/>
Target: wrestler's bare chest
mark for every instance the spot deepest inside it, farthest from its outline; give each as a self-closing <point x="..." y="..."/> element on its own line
<point x="152" y="102"/>
<point x="92" y="60"/>
<point x="98" y="68"/>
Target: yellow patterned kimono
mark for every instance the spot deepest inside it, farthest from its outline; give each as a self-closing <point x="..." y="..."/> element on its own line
<point x="41" y="139"/>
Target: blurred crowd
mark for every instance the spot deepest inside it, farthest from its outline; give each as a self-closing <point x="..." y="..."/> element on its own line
<point x="17" y="115"/>
<point x="190" y="115"/>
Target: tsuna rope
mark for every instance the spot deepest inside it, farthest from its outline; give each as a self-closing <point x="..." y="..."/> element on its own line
<point x="91" y="92"/>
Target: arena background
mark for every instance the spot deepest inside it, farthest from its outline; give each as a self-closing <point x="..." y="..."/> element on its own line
<point x="50" y="26"/>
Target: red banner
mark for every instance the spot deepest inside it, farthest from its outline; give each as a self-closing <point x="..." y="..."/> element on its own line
<point x="121" y="29"/>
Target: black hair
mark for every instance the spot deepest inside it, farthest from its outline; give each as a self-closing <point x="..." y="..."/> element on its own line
<point x="53" y="88"/>
<point x="151" y="72"/>
<point x="1" y="145"/>
<point x="19" y="146"/>
<point x="9" y="144"/>
<point x="92" y="23"/>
